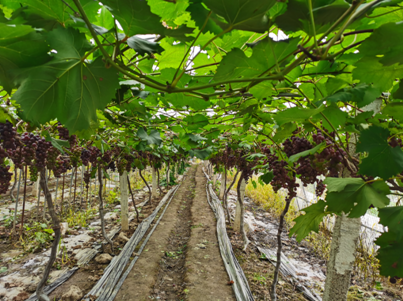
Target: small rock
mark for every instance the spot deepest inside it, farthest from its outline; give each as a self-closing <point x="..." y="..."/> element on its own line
<point x="94" y="278"/>
<point x="122" y="237"/>
<point x="31" y="288"/>
<point x="111" y="216"/>
<point x="103" y="258"/>
<point x="201" y="246"/>
<point x="63" y="228"/>
<point x="73" y="294"/>
<point x="21" y="296"/>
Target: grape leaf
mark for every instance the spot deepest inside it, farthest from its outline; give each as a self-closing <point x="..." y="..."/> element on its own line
<point x="390" y="254"/>
<point x="383" y="160"/>
<point x="241" y="14"/>
<point x="371" y="71"/>
<point x="362" y="94"/>
<point x="168" y="10"/>
<point x="266" y="55"/>
<point x="200" y="153"/>
<point x="180" y="100"/>
<point x="394" y="109"/>
<point x="153" y="138"/>
<point x="297" y="16"/>
<point x="354" y="196"/>
<point x="386" y="41"/>
<point x="142" y="46"/>
<point x="196" y="122"/>
<point x="284" y="131"/>
<point x="66" y="88"/>
<point x="53" y="10"/>
<point x="267" y="177"/>
<point x="296" y="114"/>
<point x="199" y="14"/>
<point x="334" y="117"/>
<point x="57" y="142"/>
<point x="398" y="94"/>
<point x="308" y="152"/>
<point x="392" y="217"/>
<point x="20" y="47"/>
<point x="310" y="221"/>
<point x="135" y="17"/>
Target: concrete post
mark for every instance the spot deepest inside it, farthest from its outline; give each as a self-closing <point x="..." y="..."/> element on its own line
<point x="124" y="212"/>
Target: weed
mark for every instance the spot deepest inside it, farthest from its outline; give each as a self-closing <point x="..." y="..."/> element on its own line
<point x="197" y="226"/>
<point x="9" y="219"/>
<point x="36" y="236"/>
<point x="259" y="278"/>
<point x="79" y="218"/>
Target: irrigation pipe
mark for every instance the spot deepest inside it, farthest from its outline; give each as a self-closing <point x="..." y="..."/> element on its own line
<point x="105" y="287"/>
<point x="120" y="283"/>
<point x="241" y="287"/>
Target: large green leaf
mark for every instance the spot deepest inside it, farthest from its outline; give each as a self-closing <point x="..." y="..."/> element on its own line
<point x="66" y="88"/>
<point x="371" y="71"/>
<point x="266" y="55"/>
<point x="362" y="94"/>
<point x="383" y="160"/>
<point x="196" y="122"/>
<point x="392" y="217"/>
<point x="200" y="153"/>
<point x="135" y="17"/>
<point x="394" y="109"/>
<point x="354" y="196"/>
<point x="308" y="152"/>
<point x="241" y="14"/>
<point x="309" y="221"/>
<point x="333" y="117"/>
<point x="387" y="41"/>
<point x="53" y="10"/>
<point x="296" y="114"/>
<point x="153" y="138"/>
<point x="200" y="14"/>
<point x="297" y="16"/>
<point x="20" y="47"/>
<point x="267" y="177"/>
<point x="168" y="10"/>
<point x="390" y="255"/>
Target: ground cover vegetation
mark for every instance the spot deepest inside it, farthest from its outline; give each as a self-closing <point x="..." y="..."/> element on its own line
<point x="308" y="90"/>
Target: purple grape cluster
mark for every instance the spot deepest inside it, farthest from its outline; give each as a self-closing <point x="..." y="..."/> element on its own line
<point x="42" y="152"/>
<point x="8" y="135"/>
<point x="63" y="132"/>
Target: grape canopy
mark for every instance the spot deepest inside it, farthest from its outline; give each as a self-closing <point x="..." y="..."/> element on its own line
<point x="296" y="89"/>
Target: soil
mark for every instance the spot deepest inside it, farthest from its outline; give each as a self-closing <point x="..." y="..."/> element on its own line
<point x="86" y="277"/>
<point x="182" y="261"/>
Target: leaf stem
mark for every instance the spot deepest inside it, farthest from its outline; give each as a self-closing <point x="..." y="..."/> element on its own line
<point x="176" y="79"/>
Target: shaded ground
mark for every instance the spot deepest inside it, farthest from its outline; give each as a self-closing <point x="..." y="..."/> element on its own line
<point x="182" y="261"/>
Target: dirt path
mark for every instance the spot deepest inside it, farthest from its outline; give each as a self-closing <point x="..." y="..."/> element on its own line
<point x="182" y="259"/>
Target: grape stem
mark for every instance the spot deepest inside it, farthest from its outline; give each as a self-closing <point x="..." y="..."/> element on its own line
<point x="56" y="228"/>
<point x="23" y="200"/>
<point x="134" y="204"/>
<point x="149" y="189"/>
<point x="226" y="197"/>
<point x="273" y="294"/>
